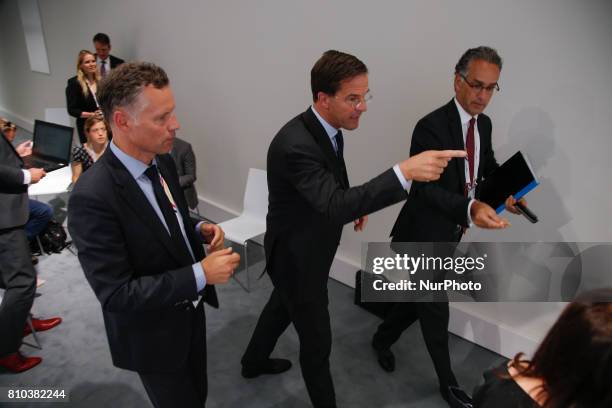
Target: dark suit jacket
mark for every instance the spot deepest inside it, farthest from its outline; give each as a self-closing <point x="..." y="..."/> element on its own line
<point x="142" y="281"/>
<point x="185" y="161"/>
<point x="309" y="202"/>
<point x="77" y="103"/>
<point x="114" y="61"/>
<point x="13" y="193"/>
<point x="435" y="209"/>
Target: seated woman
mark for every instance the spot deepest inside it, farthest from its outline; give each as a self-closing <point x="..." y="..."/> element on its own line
<point x="84" y="156"/>
<point x="572" y="367"/>
<point x="81" y="92"/>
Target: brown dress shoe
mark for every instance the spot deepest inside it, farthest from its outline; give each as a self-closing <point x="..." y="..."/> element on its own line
<point x="42" y="325"/>
<point x="17" y="362"/>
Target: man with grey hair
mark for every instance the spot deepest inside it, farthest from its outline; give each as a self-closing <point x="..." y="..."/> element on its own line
<point x="443" y="210"/>
<point x="140" y="252"/>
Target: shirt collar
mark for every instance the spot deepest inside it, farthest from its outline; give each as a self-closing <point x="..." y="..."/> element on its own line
<point x="463" y="115"/>
<point x="329" y="129"/>
<point x="134" y="166"/>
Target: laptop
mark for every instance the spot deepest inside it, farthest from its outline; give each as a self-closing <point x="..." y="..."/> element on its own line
<point x="51" y="148"/>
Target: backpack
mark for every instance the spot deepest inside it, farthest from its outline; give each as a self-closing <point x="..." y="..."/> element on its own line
<point x="53" y="237"/>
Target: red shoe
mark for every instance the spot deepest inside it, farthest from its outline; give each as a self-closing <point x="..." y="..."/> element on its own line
<point x="42" y="325"/>
<point x="18" y="363"/>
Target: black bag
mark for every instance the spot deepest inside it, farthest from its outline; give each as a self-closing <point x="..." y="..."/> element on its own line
<point x="53" y="237"/>
<point x="380" y="309"/>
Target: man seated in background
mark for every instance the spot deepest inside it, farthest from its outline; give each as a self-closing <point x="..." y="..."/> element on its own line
<point x="185" y="161"/>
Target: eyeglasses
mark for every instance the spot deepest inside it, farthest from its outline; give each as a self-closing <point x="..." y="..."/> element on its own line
<point x="480" y="87"/>
<point x="355" y="100"/>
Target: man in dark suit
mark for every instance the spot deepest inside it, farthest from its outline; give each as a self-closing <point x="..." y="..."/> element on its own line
<point x="310" y="200"/>
<point x="185" y="161"/>
<point x="17" y="275"/>
<point x="138" y="248"/>
<point x="104" y="60"/>
<point x="442" y="211"/>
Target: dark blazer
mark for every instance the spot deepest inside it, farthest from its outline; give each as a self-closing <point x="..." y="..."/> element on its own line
<point x="114" y="61"/>
<point x="185" y="161"/>
<point x="77" y="103"/>
<point x="309" y="202"/>
<point x="437" y="208"/>
<point x="144" y="284"/>
<point x="13" y="193"/>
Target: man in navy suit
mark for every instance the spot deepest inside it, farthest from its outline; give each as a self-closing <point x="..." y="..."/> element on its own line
<point x="138" y="248"/>
<point x="310" y="200"/>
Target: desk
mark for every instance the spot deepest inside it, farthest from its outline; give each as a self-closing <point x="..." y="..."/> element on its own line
<point x="55" y="182"/>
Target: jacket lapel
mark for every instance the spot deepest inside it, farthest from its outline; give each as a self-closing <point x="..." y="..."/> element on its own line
<point x="322" y="139"/>
<point x="134" y="198"/>
<point x="454" y="123"/>
<point x="179" y="198"/>
<point x="483" y="148"/>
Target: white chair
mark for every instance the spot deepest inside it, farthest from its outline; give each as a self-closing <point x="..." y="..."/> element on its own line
<point x="252" y="221"/>
<point x="29" y="323"/>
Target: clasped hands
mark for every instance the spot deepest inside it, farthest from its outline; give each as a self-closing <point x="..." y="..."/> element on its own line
<point x="221" y="262"/>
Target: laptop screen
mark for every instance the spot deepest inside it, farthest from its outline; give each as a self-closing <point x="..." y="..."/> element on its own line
<point x="52" y="141"/>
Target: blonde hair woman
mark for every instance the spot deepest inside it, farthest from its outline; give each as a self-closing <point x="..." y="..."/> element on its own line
<point x="84" y="156"/>
<point x="81" y="91"/>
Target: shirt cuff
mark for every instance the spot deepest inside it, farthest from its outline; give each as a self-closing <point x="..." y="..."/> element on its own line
<point x="469" y="212"/>
<point x="27" y="177"/>
<point x="405" y="183"/>
<point x="200" y="277"/>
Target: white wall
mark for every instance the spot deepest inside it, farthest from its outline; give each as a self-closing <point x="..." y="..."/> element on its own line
<point x="240" y="70"/>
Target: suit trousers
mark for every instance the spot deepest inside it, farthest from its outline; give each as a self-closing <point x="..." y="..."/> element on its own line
<point x="433" y="317"/>
<point x="187" y="387"/>
<point x="18" y="277"/>
<point x="311" y="321"/>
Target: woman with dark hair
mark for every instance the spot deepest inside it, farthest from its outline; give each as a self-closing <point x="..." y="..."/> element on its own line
<point x="572" y="367"/>
<point x="84" y="156"/>
<point x="81" y="92"/>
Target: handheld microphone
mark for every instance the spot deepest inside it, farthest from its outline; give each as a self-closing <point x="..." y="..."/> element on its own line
<point x="527" y="213"/>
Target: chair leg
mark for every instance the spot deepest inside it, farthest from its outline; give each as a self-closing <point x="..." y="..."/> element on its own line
<point x="29" y="323"/>
<point x="246" y="265"/>
<point x="246" y="269"/>
<point x="40" y="247"/>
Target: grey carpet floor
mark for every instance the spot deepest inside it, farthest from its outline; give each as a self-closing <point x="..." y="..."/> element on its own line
<point x="76" y="355"/>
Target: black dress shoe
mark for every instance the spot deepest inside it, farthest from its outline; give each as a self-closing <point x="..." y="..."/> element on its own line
<point x="457" y="398"/>
<point x="272" y="366"/>
<point x="386" y="359"/>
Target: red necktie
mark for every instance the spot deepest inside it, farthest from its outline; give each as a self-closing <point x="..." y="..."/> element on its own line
<point x="469" y="146"/>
